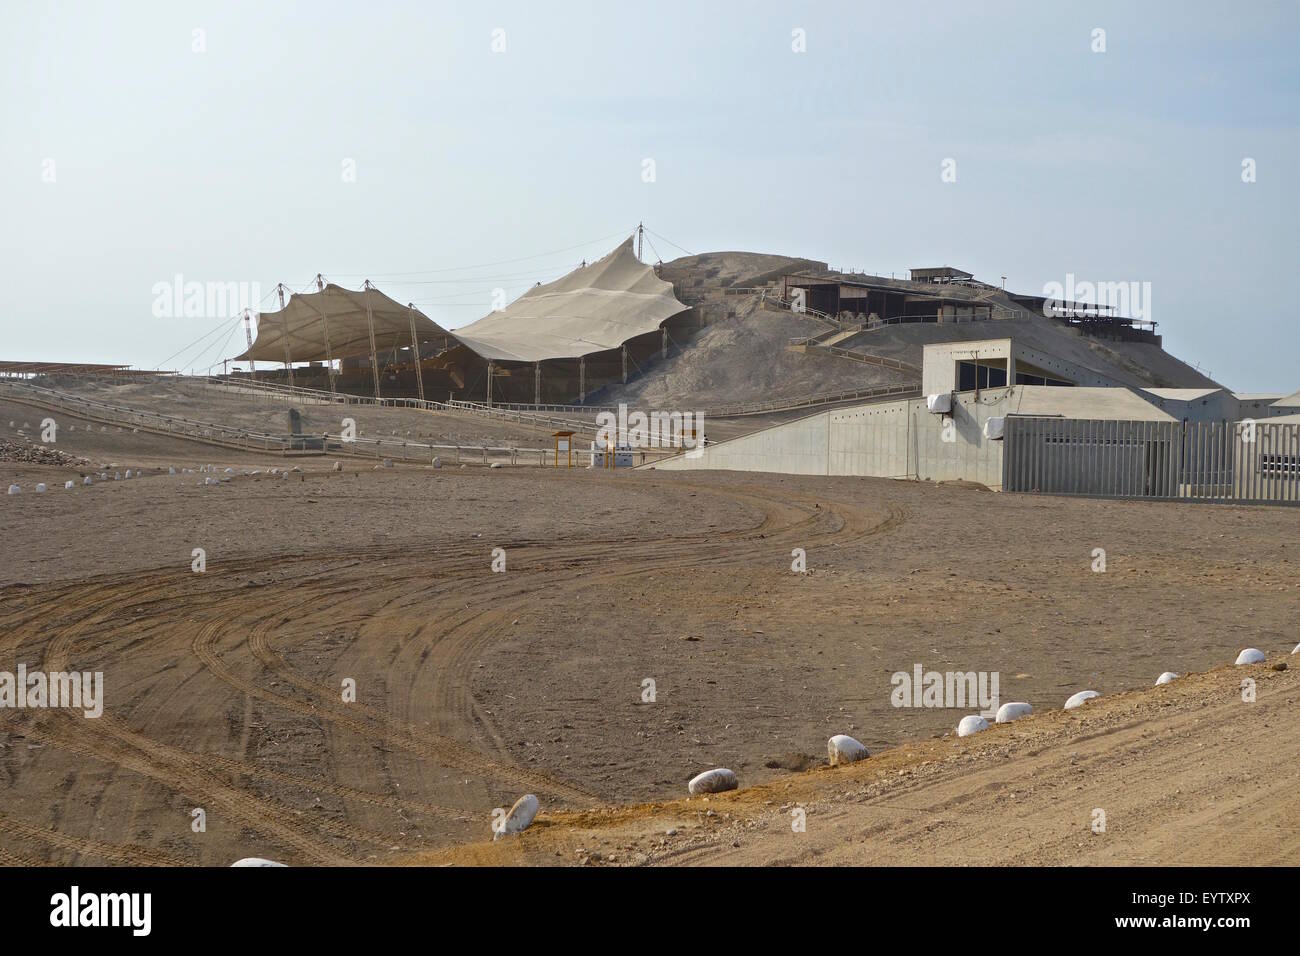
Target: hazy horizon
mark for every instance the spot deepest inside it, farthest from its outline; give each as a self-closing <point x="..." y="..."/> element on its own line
<point x="393" y="142"/>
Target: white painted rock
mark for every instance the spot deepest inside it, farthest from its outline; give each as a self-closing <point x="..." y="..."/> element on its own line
<point x="1297" y="649"/>
<point x="388" y="463"/>
<point x="230" y="471"/>
<point x="171" y="470"/>
<point x="255" y="861"/>
<point x="88" y="480"/>
<point x="129" y="473"/>
<point x="842" y="749"/>
<point x="495" y="464"/>
<point x="437" y="463"/>
<point x="1010" y="712"/>
<point x="971" y="724"/>
<point x="40" y="487"/>
<point x="1251" y="655"/>
<point x="338" y="466"/>
<point x="1081" y="698"/>
<point x="14" y="489"/>
<point x="717" y="780"/>
<point x="1166" y="677"/>
<point x="68" y="485"/>
<point x="520" y="816"/>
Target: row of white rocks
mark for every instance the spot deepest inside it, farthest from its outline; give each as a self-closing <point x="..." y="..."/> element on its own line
<point x="974" y="723"/>
<point x="207" y="470"/>
<point x="841" y="749"/>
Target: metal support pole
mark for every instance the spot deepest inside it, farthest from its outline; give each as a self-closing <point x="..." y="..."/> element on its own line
<point x="582" y="379"/>
<point x="490" y="369"/>
<point x="370" y="323"/>
<point x="415" y="352"/>
<point x="624" y="364"/>
<point x="537" y="383"/>
<point x="325" y="324"/>
<point x="284" y="334"/>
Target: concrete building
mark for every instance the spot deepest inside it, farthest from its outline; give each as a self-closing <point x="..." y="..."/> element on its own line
<point x="1195" y="404"/>
<point x="1076" y="434"/>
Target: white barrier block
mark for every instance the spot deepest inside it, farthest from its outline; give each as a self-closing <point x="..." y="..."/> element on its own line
<point x="1166" y="677"/>
<point x="971" y="724"/>
<point x="1013" y="711"/>
<point x="14" y="489"/>
<point x="842" y="749"/>
<point x="67" y="485"/>
<point x="255" y="861"/>
<point x="520" y="816"/>
<point x="717" y="780"/>
<point x="1081" y="698"/>
<point x="1251" y="655"/>
<point x="40" y="487"/>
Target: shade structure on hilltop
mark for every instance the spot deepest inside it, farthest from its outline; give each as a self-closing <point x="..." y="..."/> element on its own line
<point x="594" y="308"/>
<point x="334" y="323"/>
<point x="557" y="342"/>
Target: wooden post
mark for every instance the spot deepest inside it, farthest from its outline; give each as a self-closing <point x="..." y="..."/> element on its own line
<point x="325" y="323"/>
<point x="284" y="334"/>
<point x="370" y="323"/>
<point x="665" y="355"/>
<point x="582" y="379"/>
<point x="415" y="351"/>
<point x="624" y="364"/>
<point x="537" y="383"/>
<point x="489" y="384"/>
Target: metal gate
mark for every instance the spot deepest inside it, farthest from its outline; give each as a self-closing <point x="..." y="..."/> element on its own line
<point x="1249" y="462"/>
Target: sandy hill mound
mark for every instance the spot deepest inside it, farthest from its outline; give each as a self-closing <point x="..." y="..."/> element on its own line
<point x="741" y="353"/>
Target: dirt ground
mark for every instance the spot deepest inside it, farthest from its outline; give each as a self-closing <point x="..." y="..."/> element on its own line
<point x="224" y="690"/>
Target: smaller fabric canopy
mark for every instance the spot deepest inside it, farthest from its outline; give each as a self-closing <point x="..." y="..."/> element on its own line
<point x="304" y="316"/>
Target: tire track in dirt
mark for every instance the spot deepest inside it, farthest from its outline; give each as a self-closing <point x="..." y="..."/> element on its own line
<point x="330" y="587"/>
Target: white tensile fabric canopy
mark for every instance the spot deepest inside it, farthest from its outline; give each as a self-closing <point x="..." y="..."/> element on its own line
<point x="304" y="316"/>
<point x="592" y="309"/>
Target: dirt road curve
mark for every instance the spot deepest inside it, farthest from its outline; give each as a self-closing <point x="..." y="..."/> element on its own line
<point x="225" y="691"/>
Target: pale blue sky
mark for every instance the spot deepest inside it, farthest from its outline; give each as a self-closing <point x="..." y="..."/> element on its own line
<point x="226" y="165"/>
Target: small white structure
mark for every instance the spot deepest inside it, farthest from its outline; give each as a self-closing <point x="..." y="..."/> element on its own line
<point x="1013" y="711"/>
<point x="520" y="816"/>
<point x="1166" y="678"/>
<point x="717" y="780"/>
<point x="621" y="456"/>
<point x="1251" y="655"/>
<point x="971" y="724"/>
<point x="68" y="485"/>
<point x="255" y="861"/>
<point x="15" y="489"/>
<point x="1081" y="698"/>
<point x="842" y="749"/>
<point x="995" y="427"/>
<point x="939" y="404"/>
<point x="40" y="487"/>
